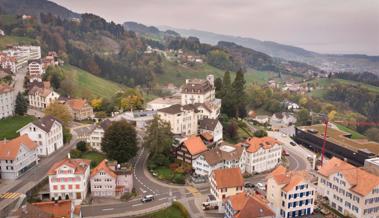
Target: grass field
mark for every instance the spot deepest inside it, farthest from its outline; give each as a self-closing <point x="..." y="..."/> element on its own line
<point x="88" y="85"/>
<point x="10" y="125"/>
<point x="354" y="134"/>
<point x="170" y="212"/>
<point x="15" y="40"/>
<point x="94" y="156"/>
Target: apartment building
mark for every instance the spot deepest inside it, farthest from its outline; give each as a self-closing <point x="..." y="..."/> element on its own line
<point x="212" y="127"/>
<point x="245" y="205"/>
<point x="190" y="149"/>
<point x="225" y="156"/>
<point x="290" y="193"/>
<point x="35" y="68"/>
<point x="96" y="135"/>
<point x="110" y="179"/>
<point x="262" y="154"/>
<point x="17" y="156"/>
<point x="42" y="97"/>
<point x="183" y="119"/>
<point x="80" y="109"/>
<point x="8" y="62"/>
<point x="226" y="183"/>
<point x="46" y="132"/>
<point x="68" y="179"/>
<point x="22" y="54"/>
<point x="7" y="101"/>
<point x="350" y="190"/>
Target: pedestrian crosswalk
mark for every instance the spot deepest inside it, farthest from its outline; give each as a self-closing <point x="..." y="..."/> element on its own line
<point x="10" y="195"/>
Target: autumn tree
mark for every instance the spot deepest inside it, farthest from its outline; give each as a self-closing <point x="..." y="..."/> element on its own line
<point x="96" y="103"/>
<point x="61" y="112"/>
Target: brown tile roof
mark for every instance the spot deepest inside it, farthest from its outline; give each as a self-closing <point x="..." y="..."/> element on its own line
<point x="60" y="209"/>
<point x="4" y="88"/>
<point x="46" y="123"/>
<point x="103" y="167"/>
<point x="9" y="149"/>
<point x="77" y="104"/>
<point x="289" y="179"/>
<point x="195" y="145"/>
<point x="248" y="206"/>
<point x="44" y="92"/>
<point x="196" y="86"/>
<point x="79" y="165"/>
<point x="207" y="136"/>
<point x="228" y="178"/>
<point x="255" y="143"/>
<point x="361" y="181"/>
<point x="218" y="155"/>
<point x="208" y="124"/>
<point x="177" y="108"/>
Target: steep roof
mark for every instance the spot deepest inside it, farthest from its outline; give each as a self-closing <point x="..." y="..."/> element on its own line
<point x="228" y="178"/>
<point x="10" y="149"/>
<point x="79" y="165"/>
<point x="248" y="206"/>
<point x="60" y="209"/>
<point x="76" y="104"/>
<point x="208" y="124"/>
<point x="361" y="181"/>
<point x="195" y="145"/>
<point x="289" y="179"/>
<point x="219" y="154"/>
<point x="103" y="167"/>
<point x="46" y="123"/>
<point x="196" y="86"/>
<point x="255" y="143"/>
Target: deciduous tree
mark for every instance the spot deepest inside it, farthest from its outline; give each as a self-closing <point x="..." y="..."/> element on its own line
<point x="61" y="112"/>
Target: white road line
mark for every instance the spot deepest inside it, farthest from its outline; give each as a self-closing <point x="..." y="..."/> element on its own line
<point x="136" y="205"/>
<point x="161" y="199"/>
<point x="106" y="209"/>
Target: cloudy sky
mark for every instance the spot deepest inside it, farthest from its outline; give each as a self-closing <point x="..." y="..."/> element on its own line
<point x="328" y="26"/>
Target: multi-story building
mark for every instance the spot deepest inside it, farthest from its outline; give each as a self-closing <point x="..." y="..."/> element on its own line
<point x="290" y="193"/>
<point x="221" y="157"/>
<point x="17" y="156"/>
<point x="212" y="127"/>
<point x="46" y="132"/>
<point x="183" y="119"/>
<point x="110" y="179"/>
<point x="190" y="149"/>
<point x="42" y="97"/>
<point x="35" y="68"/>
<point x="7" y="101"/>
<point x="350" y="190"/>
<point x="80" y="109"/>
<point x="8" y="62"/>
<point x="225" y="183"/>
<point x="68" y="179"/>
<point x="245" y="205"/>
<point x="96" y="135"/>
<point x="22" y="54"/>
<point x="262" y="154"/>
<point x="163" y="102"/>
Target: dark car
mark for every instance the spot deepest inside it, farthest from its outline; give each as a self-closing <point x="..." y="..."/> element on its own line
<point x="249" y="185"/>
<point x="147" y="198"/>
<point x="293" y="143"/>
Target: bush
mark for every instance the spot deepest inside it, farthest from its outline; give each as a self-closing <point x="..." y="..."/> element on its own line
<point x="82" y="146"/>
<point x="173" y="166"/>
<point x="260" y="133"/>
<point x="182" y="209"/>
<point x="66" y="135"/>
<point x="75" y="153"/>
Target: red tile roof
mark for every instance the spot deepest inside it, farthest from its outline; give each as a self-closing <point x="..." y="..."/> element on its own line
<point x="248" y="206"/>
<point x="10" y="149"/>
<point x="103" y="167"/>
<point x="76" y="104"/>
<point x="228" y="178"/>
<point x="255" y="143"/>
<point x="195" y="145"/>
<point x="79" y="165"/>
<point x="289" y="179"/>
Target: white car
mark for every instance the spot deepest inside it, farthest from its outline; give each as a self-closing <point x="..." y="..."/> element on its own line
<point x="147" y="198"/>
<point x="261" y="186"/>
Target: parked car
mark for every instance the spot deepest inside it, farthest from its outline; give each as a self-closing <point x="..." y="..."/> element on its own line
<point x="147" y="198"/>
<point x="249" y="185"/>
<point x="293" y="143"/>
<point x="285" y="153"/>
<point x="261" y="186"/>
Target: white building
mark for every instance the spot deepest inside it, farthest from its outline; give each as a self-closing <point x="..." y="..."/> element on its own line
<point x="211" y="126"/>
<point x="17" y="156"/>
<point x="226" y="183"/>
<point x="35" y="68"/>
<point x="281" y="120"/>
<point x="262" y="154"/>
<point x="183" y="119"/>
<point x="7" y="101"/>
<point x="352" y="191"/>
<point x="8" y="62"/>
<point x="225" y="156"/>
<point x="96" y="135"/>
<point x="46" y="132"/>
<point x="163" y="102"/>
<point x="42" y="97"/>
<point x="22" y="54"/>
<point x="140" y="119"/>
<point x="262" y="119"/>
<point x="68" y="179"/>
<point x="290" y="193"/>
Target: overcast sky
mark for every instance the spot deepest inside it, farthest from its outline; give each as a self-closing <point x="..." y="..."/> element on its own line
<point x="328" y="26"/>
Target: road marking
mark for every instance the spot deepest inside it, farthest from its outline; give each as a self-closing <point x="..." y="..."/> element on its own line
<point x="136" y="205"/>
<point x="10" y="195"/>
<point x="106" y="209"/>
<point x="143" y="191"/>
<point x="161" y="199"/>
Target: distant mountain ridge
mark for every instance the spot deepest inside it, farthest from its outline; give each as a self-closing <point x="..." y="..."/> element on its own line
<point x="328" y="62"/>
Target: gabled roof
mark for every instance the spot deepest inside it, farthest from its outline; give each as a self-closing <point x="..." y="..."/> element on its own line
<point x="248" y="206"/>
<point x="196" y="86"/>
<point x="361" y="181"/>
<point x="103" y="167"/>
<point x="228" y="178"/>
<point x="208" y="124"/>
<point x="60" y="209"/>
<point x="76" y="104"/>
<point x="195" y="145"/>
<point x="79" y="165"/>
<point x="10" y="149"/>
<point x="289" y="179"/>
<point x="46" y="123"/>
<point x="255" y="143"/>
<point x="217" y="155"/>
<point x="177" y="108"/>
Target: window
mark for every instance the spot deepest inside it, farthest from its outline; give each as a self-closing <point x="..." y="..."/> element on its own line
<point x="62" y="187"/>
<point x="77" y="186"/>
<point x="55" y="187"/>
<point x="69" y="186"/>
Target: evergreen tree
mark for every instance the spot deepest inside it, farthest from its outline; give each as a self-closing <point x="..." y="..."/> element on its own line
<point x="218" y="87"/>
<point x="239" y="94"/>
<point x="159" y="137"/>
<point x="227" y="96"/>
<point x="120" y="141"/>
<point x="21" y="106"/>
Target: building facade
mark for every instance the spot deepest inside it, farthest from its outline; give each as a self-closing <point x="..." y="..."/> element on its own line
<point x="17" y="156"/>
<point x="183" y="119"/>
<point x="47" y="133"/>
<point x="7" y="101"/>
<point x="350" y="190"/>
<point x="42" y="97"/>
<point x="68" y="179"/>
<point x="80" y="109"/>
<point x="96" y="135"/>
<point x="211" y="126"/>
<point x="190" y="149"/>
<point x="226" y="183"/>
<point x="35" y="68"/>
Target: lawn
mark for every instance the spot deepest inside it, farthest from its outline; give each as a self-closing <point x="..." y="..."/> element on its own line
<point x="173" y="211"/>
<point x="94" y="156"/>
<point x="10" y="125"/>
<point x="85" y="84"/>
<point x="15" y="40"/>
<point x="354" y="134"/>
